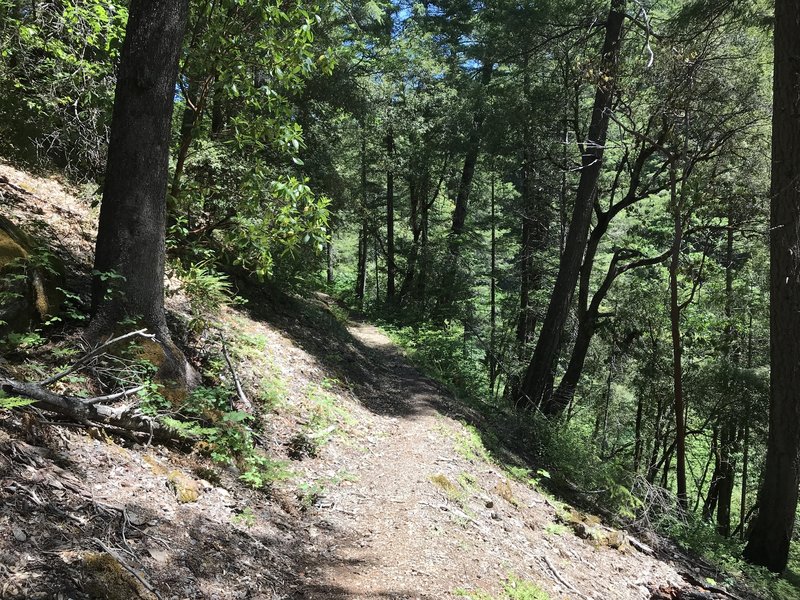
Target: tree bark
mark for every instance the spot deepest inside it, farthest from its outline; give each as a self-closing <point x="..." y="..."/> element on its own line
<point x="768" y="544"/>
<point x="329" y="261"/>
<point x="539" y="371"/>
<point x="470" y="161"/>
<point x="493" y="295"/>
<point x="131" y="233"/>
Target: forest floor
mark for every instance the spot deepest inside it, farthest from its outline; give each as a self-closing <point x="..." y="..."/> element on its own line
<point x="390" y="493"/>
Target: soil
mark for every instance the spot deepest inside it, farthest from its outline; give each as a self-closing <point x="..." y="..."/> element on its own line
<point x="393" y="499"/>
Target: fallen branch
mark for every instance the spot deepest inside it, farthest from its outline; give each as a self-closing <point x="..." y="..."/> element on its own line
<point x="83" y="411"/>
<point x="563" y="581"/>
<point x="246" y="405"/>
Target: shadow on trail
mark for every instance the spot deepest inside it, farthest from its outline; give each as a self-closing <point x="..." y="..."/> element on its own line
<point x="380" y="377"/>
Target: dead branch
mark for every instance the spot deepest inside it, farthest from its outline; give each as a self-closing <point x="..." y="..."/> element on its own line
<point x="563" y="581"/>
<point x="94" y="353"/>
<point x="83" y="411"/>
<point x="246" y="405"/>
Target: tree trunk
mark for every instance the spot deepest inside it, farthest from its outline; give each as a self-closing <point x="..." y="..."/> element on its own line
<point x="712" y="497"/>
<point x="470" y="161"/>
<point x="363" y="236"/>
<point x="361" y="268"/>
<point x="329" y="261"/>
<point x="416" y="231"/>
<point x="131" y="232"/>
<point x="493" y="296"/>
<point x="637" y="446"/>
<point x="540" y="369"/>
<point x="192" y="113"/>
<point x="390" y="265"/>
<point x="677" y="347"/>
<point x="772" y="531"/>
<point x="728" y="429"/>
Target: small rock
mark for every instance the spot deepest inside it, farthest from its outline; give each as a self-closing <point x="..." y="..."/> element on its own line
<point x="18" y="533"/>
<point x="136" y="518"/>
<point x="158" y="554"/>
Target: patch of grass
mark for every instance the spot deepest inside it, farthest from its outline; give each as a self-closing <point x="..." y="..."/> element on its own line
<point x="271" y="392"/>
<point x="556" y="529"/>
<point x="514" y="588"/>
<point x="452" y="490"/>
<point x="467" y="481"/>
<point x="469" y="444"/>
<point x="309" y="492"/>
<point x="246" y="517"/>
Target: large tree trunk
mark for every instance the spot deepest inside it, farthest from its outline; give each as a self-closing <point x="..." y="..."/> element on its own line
<point x="130" y="239"/>
<point x="539" y="373"/>
<point x="772" y="531"/>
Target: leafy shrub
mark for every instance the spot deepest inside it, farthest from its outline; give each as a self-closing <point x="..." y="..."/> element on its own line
<point x="444" y="355"/>
<point x="225" y="434"/>
<point x="57" y="66"/>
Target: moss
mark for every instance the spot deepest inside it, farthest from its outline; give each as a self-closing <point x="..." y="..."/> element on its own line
<point x="186" y="489"/>
<point x="441" y="481"/>
<point x="107" y="579"/>
<point x="503" y="490"/>
<point x="173" y="390"/>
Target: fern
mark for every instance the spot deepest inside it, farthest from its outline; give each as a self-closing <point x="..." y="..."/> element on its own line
<point x="9" y="402"/>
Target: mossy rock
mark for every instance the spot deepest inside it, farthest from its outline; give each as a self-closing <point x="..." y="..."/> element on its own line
<point x="175" y="377"/>
<point x="107" y="579"/>
<point x="29" y="293"/>
<point x="589" y="527"/>
<point x="186" y="489"/>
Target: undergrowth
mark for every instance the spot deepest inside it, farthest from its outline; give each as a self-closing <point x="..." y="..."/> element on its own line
<point x="514" y="588"/>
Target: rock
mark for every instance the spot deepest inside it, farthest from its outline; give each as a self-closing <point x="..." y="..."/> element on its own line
<point x="18" y="533"/>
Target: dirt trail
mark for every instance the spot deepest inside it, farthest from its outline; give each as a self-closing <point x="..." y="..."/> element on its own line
<point x="425" y="520"/>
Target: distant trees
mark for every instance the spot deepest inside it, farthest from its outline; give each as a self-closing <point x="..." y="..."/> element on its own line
<point x="768" y="544"/>
<point x="547" y="279"/>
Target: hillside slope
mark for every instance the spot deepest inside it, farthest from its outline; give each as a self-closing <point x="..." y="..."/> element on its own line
<point x="390" y="494"/>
